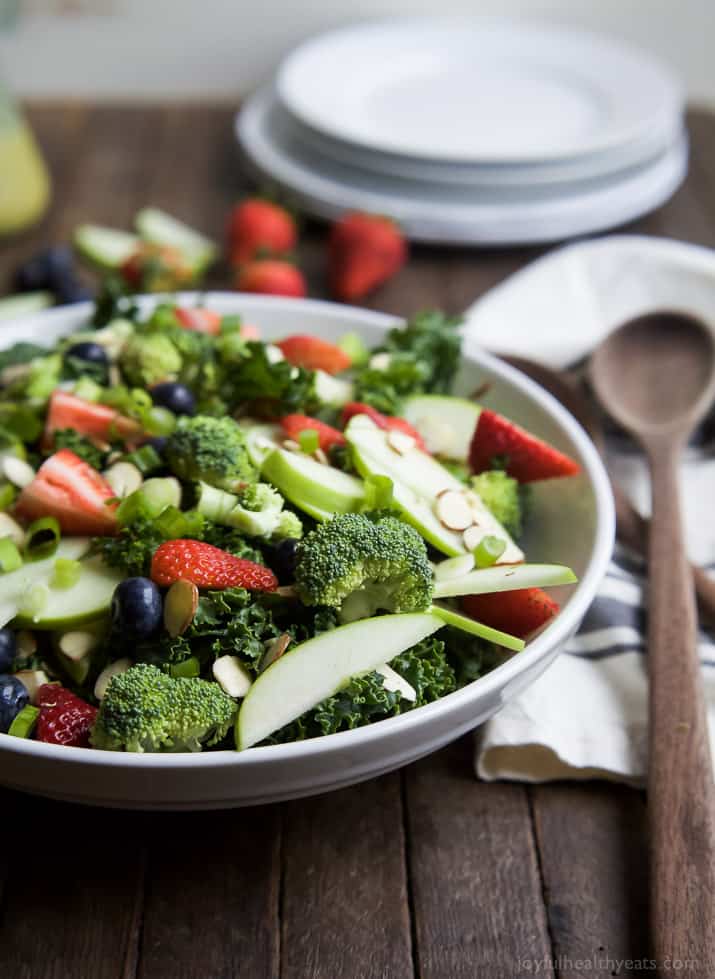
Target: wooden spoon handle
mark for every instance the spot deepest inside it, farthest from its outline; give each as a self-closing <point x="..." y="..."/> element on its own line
<point x="681" y="793"/>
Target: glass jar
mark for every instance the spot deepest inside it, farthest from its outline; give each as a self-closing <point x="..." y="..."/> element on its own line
<point x="24" y="180"/>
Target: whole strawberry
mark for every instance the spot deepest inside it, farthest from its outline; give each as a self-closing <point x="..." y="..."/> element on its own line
<point x="272" y="277"/>
<point x="364" y="251"/>
<point x="258" y="228"/>
<point x="64" y="717"/>
<point x="207" y="566"/>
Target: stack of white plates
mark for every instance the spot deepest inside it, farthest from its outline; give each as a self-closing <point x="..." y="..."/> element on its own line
<point x="481" y="132"/>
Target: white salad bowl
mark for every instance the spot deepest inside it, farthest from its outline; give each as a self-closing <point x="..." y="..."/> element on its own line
<point x="572" y="523"/>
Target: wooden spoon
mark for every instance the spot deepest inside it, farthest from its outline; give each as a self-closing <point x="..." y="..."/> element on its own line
<point x="632" y="528"/>
<point x="656" y="376"/>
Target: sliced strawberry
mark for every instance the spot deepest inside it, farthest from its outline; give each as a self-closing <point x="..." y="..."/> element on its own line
<point x="364" y="251"/>
<point x="67" y="488"/>
<point x="272" y="277"/>
<point x="328" y="436"/>
<point x="304" y="350"/>
<point x="198" y="319"/>
<point x="64" y="717"/>
<point x="249" y="332"/>
<point x="208" y="567"/>
<point x="387" y="422"/>
<point x="518" y="612"/>
<point x="257" y="228"/>
<point x="97" y="422"/>
<point x="524" y="456"/>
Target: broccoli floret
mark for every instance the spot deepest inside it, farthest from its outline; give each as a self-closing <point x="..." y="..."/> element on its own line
<point x="147" y="710"/>
<point x="211" y="450"/>
<point x="148" y="359"/>
<point x="257" y="511"/>
<point x="501" y="494"/>
<point x="361" y="564"/>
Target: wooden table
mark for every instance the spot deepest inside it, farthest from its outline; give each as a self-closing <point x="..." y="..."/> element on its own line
<point x="425" y="872"/>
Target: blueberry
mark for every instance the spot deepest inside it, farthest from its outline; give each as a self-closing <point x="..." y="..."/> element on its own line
<point x="8" y="649"/>
<point x="136" y="608"/>
<point x="176" y="397"/>
<point x="52" y="269"/>
<point x="282" y="560"/>
<point x="158" y="443"/>
<point x="13" y="697"/>
<point x="91" y="352"/>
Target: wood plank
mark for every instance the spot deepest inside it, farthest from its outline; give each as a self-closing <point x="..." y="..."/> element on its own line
<point x="70" y="891"/>
<point x="476" y="892"/>
<point x="212" y="895"/>
<point x="344" y="909"/>
<point x="593" y="844"/>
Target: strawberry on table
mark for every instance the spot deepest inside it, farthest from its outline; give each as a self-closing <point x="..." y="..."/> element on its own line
<point x="272" y="277"/>
<point x="97" y="422"/>
<point x="259" y="228"/>
<point x="387" y="422"/>
<point x="64" y="717"/>
<point x="524" y="456"/>
<point x="304" y="350"/>
<point x="198" y="319"/>
<point x="519" y="612"/>
<point x="364" y="251"/>
<point x="69" y="489"/>
<point x="328" y="436"/>
<point x="207" y="566"/>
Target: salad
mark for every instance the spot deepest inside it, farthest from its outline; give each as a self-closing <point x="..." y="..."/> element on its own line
<point x="210" y="541"/>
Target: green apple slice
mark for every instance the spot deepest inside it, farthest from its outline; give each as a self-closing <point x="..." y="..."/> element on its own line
<point x="474" y="628"/>
<point x="68" y="608"/>
<point x="106" y="248"/>
<point x="308" y="673"/>
<point x="24" y="303"/>
<point x="261" y="439"/>
<point x="446" y="424"/>
<point x="418" y="482"/>
<point x="505" y="578"/>
<point x="161" y="228"/>
<point x="14" y="585"/>
<point x="317" y="489"/>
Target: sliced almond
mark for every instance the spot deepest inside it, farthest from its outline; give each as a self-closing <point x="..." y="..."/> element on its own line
<point x="114" y="376"/>
<point x="19" y="472"/>
<point x="232" y="676"/>
<point x="291" y="445"/>
<point x="472" y="537"/>
<point x="286" y="591"/>
<point x="77" y="645"/>
<point x="274" y="650"/>
<point x="26" y="643"/>
<point x="320" y="456"/>
<point x="401" y="442"/>
<point x="180" y="605"/>
<point x="453" y="511"/>
<point x="114" y="669"/>
<point x="391" y="680"/>
<point x="381" y="361"/>
<point x="32" y="680"/>
<point x="124" y="478"/>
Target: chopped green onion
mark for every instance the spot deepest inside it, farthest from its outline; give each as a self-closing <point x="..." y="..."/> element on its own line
<point x="7" y="495"/>
<point x="187" y="668"/>
<point x="22" y="422"/>
<point x="354" y="346"/>
<point x="146" y="459"/>
<point x="42" y="539"/>
<point x="160" y="421"/>
<point x="23" y="724"/>
<point x="378" y="492"/>
<point x="488" y="551"/>
<point x="10" y="557"/>
<point x="35" y="599"/>
<point x="231" y="324"/>
<point x="309" y="441"/>
<point x="66" y="573"/>
<point x="173" y="523"/>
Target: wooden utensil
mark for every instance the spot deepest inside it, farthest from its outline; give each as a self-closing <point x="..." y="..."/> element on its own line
<point x="656" y="376"/>
<point x="632" y="528"/>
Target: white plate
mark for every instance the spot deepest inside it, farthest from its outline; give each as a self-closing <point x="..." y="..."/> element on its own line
<point x="477" y="91"/>
<point x="574" y="524"/>
<point x="448" y="214"/>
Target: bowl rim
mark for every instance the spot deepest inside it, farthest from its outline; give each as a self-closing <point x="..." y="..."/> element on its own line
<point x="551" y="638"/>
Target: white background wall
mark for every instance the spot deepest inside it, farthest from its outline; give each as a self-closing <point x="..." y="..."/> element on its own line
<point x="203" y="48"/>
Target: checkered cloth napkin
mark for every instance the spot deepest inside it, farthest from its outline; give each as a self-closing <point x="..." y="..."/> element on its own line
<point x="587" y="715"/>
